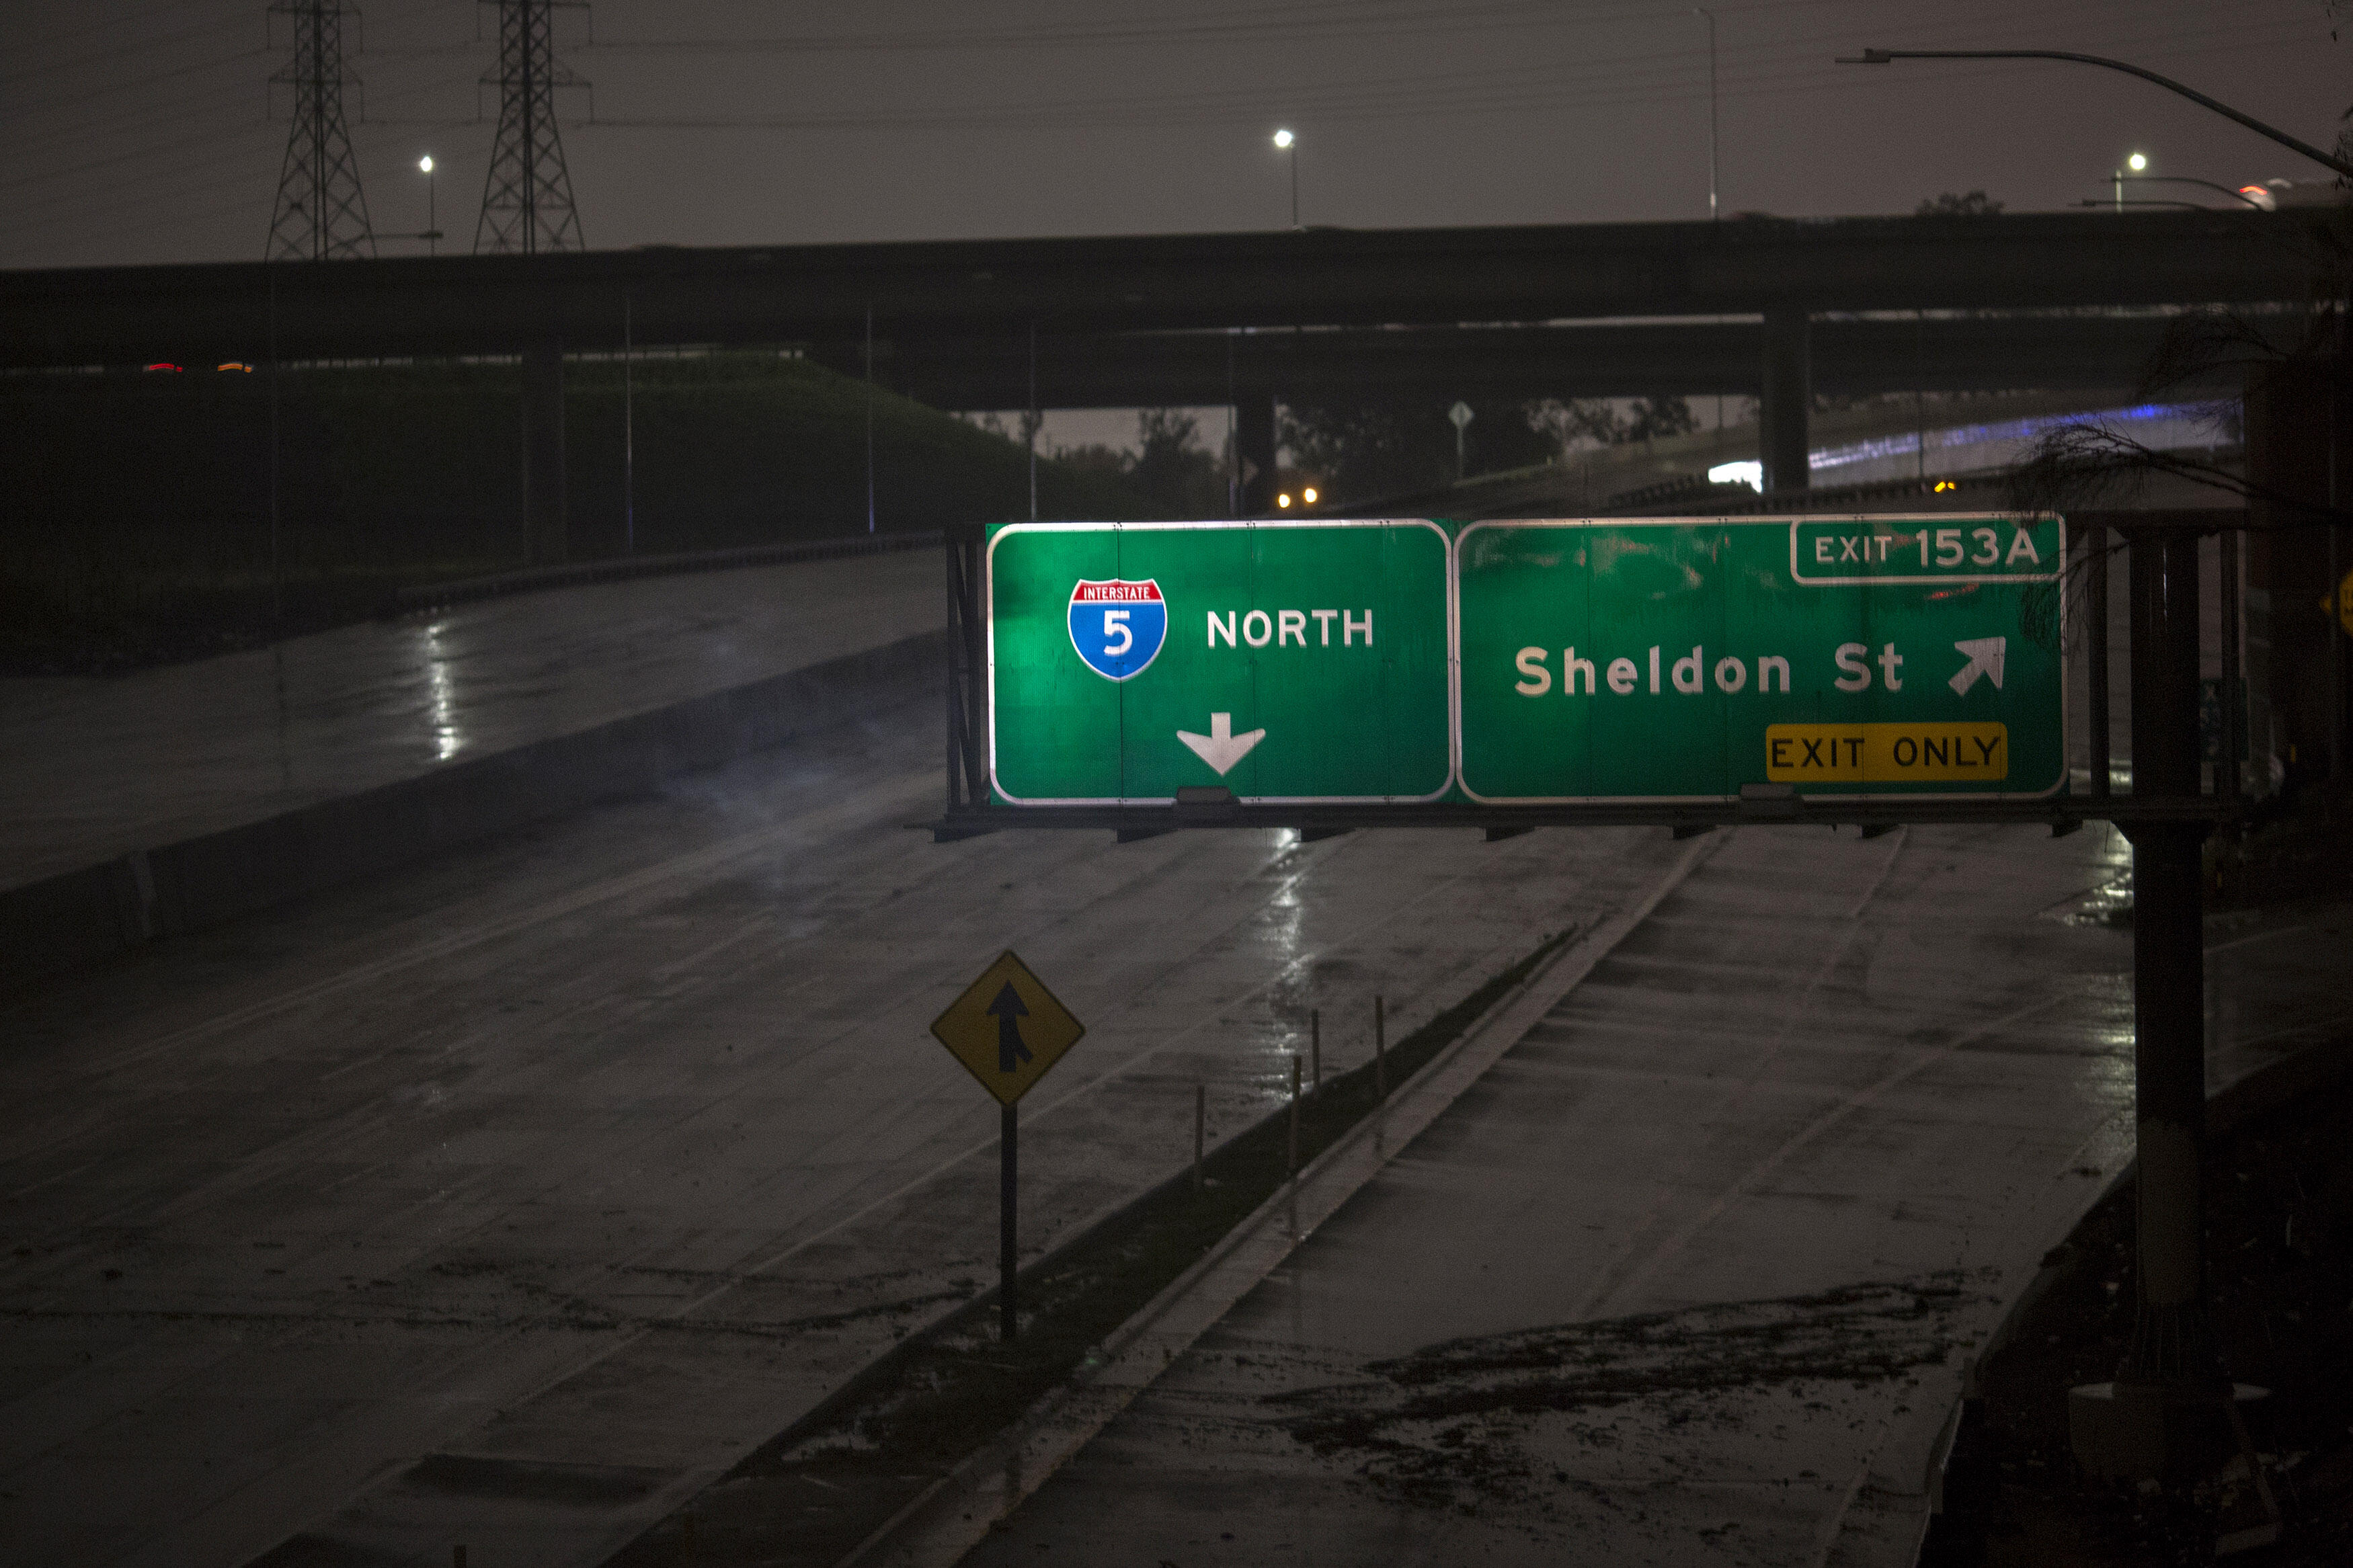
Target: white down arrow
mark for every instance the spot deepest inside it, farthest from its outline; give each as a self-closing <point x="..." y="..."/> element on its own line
<point x="1222" y="748"/>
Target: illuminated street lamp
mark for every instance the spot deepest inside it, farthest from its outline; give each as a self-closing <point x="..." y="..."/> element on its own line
<point x="1286" y="142"/>
<point x="2138" y="163"/>
<point x="432" y="235"/>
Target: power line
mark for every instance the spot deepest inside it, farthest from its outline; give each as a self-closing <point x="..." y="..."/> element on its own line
<point x="110" y="30"/>
<point x="1646" y="77"/>
<point x="110" y="59"/>
<point x="171" y="169"/>
<point x="1256" y="23"/>
<point x="114" y="89"/>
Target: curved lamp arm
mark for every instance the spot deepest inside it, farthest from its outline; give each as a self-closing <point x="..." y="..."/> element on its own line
<point x="1884" y="56"/>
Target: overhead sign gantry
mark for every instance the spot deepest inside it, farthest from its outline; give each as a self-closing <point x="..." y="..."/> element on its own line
<point x="1882" y="670"/>
<point x="1547" y="664"/>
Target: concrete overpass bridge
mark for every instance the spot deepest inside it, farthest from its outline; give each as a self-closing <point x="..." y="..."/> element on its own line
<point x="1512" y="361"/>
<point x="1771" y="307"/>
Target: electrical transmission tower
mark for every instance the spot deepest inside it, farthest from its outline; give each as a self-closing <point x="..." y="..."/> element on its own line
<point x="527" y="200"/>
<point x="321" y="214"/>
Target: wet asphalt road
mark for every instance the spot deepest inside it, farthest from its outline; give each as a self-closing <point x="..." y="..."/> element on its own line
<point x="1690" y="1276"/>
<point x="507" y="1199"/>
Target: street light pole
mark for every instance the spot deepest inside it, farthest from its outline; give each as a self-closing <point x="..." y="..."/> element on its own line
<point x="432" y="235"/>
<point x="1887" y="57"/>
<point x="1709" y="16"/>
<point x="2144" y="1424"/>
<point x="1289" y="143"/>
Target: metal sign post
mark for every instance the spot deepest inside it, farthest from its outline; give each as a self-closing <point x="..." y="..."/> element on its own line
<point x="1008" y="1031"/>
<point x="2172" y="1345"/>
<point x="2170" y="1402"/>
<point x="1008" y="1254"/>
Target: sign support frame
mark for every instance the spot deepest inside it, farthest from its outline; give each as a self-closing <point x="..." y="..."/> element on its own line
<point x="1008" y="1185"/>
<point x="970" y="811"/>
<point x="2173" y="1367"/>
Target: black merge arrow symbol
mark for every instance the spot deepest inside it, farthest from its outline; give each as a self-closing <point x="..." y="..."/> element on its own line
<point x="1008" y="1010"/>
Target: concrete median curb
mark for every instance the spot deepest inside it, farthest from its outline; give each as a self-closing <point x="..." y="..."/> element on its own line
<point x="85" y="916"/>
<point x="2320" y="1065"/>
<point x="956" y="1512"/>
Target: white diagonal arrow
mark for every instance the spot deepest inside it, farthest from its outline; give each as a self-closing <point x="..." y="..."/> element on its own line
<point x="1222" y="748"/>
<point x="1985" y="659"/>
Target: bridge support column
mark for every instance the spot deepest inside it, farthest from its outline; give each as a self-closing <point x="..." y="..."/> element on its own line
<point x="545" y="518"/>
<point x="1787" y="401"/>
<point x="1254" y="444"/>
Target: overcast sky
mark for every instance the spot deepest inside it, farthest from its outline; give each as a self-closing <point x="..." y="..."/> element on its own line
<point x="143" y="133"/>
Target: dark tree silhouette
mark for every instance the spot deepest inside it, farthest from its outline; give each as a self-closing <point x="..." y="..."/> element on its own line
<point x="1976" y="203"/>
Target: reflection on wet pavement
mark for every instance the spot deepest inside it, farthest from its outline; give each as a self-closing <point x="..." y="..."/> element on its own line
<point x="97" y="768"/>
<point x="1690" y="1274"/>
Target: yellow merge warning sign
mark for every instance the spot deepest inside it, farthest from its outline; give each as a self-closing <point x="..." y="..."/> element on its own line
<point x="1885" y="753"/>
<point x="1007" y="1029"/>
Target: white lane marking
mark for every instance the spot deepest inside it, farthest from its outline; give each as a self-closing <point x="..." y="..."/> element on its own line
<point x="760" y="924"/>
<point x="1727" y="1103"/>
<point x="939" y="1527"/>
<point x="1741" y="1186"/>
<point x="1126" y="1068"/>
<point x="710" y="858"/>
<point x="686" y="1309"/>
<point x="2259" y="936"/>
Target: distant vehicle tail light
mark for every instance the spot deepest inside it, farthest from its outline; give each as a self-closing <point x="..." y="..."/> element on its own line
<point x="161" y="364"/>
<point x="237" y="364"/>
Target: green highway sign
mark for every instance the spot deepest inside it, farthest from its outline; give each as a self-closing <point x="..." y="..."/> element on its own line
<point x="1536" y="662"/>
<point x="1287" y="661"/>
<point x="1682" y="659"/>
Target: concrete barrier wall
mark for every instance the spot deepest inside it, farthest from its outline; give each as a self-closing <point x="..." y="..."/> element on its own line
<point x="621" y="568"/>
<point x="81" y="917"/>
